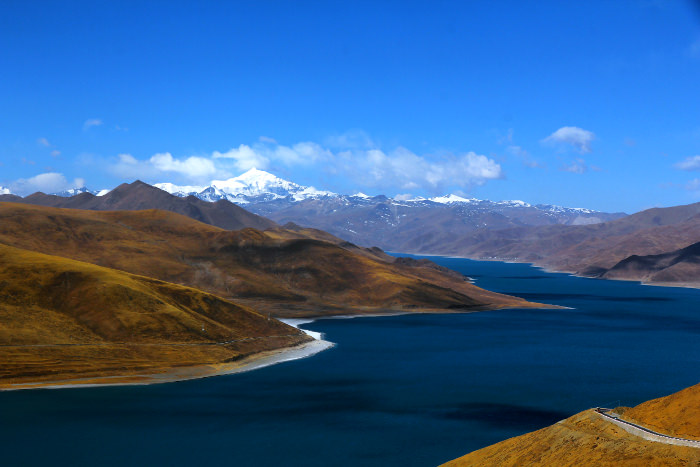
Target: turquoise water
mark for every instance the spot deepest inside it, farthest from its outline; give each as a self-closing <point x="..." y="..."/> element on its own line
<point x="403" y="390"/>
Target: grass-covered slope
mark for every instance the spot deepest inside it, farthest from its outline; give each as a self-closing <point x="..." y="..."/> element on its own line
<point x="675" y="415"/>
<point x="587" y="439"/>
<point x="65" y="319"/>
<point x="286" y="272"/>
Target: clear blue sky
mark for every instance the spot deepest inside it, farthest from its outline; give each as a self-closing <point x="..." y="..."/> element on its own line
<point x="581" y="103"/>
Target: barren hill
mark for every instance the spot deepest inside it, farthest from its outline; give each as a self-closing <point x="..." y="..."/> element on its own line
<point x="62" y="319"/>
<point x="590" y="250"/>
<point x="289" y="273"/>
<point x="138" y="196"/>
<point x="587" y="439"/>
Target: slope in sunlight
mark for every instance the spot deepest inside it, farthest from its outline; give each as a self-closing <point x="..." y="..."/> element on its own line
<point x="588" y="439"/>
<point x="62" y="319"/>
<point x="290" y="273"/>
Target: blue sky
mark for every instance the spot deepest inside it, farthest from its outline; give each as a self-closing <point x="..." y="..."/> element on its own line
<point x="593" y="103"/>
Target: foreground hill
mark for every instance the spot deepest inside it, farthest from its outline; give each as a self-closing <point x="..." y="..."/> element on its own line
<point x="282" y="271"/>
<point x="588" y="439"/>
<point x="66" y="320"/>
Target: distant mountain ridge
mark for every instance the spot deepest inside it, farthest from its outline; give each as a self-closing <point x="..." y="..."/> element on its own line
<point x="389" y="223"/>
<point x="257" y="186"/>
<point x="656" y="246"/>
<point x="417" y="224"/>
<point x="138" y="196"/>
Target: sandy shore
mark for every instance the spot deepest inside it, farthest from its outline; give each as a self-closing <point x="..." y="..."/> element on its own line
<point x="253" y="362"/>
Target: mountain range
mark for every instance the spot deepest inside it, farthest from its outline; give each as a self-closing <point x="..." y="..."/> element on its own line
<point x="389" y="223"/>
<point x="652" y="246"/>
<point x="414" y="224"/>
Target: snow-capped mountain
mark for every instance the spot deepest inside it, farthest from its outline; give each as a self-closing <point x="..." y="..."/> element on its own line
<point x="254" y="186"/>
<point x="393" y="223"/>
<point x="267" y="194"/>
<point x="403" y="223"/>
<point x="76" y="191"/>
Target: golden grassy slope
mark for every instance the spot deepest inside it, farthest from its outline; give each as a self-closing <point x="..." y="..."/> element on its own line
<point x="675" y="415"/>
<point x="587" y="440"/>
<point x="65" y="319"/>
<point x="290" y="273"/>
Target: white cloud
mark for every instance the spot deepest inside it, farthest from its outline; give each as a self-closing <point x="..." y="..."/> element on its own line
<point x="190" y="168"/>
<point x="524" y="156"/>
<point x="690" y="163"/>
<point x="693" y="185"/>
<point x="196" y="167"/>
<point x="396" y="169"/>
<point x="577" y="137"/>
<point x="266" y="139"/>
<point x="55" y="153"/>
<point x="90" y="122"/>
<point x="260" y="156"/>
<point x="405" y="170"/>
<point x="50" y="182"/>
<point x="127" y="159"/>
<point x="577" y="166"/>
<point x="352" y="139"/>
<point x="244" y="158"/>
<point x="43" y="142"/>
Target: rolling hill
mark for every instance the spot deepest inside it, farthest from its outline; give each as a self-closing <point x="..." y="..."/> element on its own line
<point x="282" y="271"/>
<point x="588" y="439"/>
<point x="599" y="250"/>
<point x="66" y="320"/>
<point x="139" y="196"/>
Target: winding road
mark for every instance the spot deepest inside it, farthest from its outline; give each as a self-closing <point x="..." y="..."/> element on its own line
<point x="644" y="433"/>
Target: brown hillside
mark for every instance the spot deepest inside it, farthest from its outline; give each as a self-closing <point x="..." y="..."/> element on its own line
<point x="287" y="273"/>
<point x="589" y="249"/>
<point x="139" y="196"/>
<point x="586" y="439"/>
<point x="675" y="415"/>
<point x="62" y="319"/>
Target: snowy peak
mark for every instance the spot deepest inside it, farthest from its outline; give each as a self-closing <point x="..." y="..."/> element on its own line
<point x="74" y="191"/>
<point x="252" y="186"/>
<point x="515" y="203"/>
<point x="453" y="199"/>
<point x="179" y="190"/>
<point x="257" y="182"/>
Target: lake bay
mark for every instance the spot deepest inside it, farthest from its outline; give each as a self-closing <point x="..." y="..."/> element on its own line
<point x="400" y="390"/>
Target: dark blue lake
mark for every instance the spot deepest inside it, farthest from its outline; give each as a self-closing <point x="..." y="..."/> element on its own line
<point x="402" y="390"/>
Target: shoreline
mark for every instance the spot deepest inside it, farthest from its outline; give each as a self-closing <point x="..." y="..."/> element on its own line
<point x="173" y="375"/>
<point x="547" y="269"/>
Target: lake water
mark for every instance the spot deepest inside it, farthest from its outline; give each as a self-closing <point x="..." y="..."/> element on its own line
<point x="402" y="390"/>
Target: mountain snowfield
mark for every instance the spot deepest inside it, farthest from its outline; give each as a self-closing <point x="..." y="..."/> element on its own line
<point x="253" y="186"/>
<point x="76" y="191"/>
<point x="257" y="186"/>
